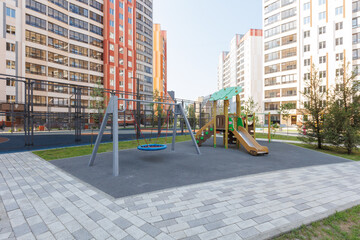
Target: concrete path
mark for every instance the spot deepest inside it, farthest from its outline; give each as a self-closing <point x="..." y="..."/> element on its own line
<point x="43" y="202"/>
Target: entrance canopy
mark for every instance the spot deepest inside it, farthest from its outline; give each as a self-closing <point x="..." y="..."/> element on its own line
<point x="226" y="93"/>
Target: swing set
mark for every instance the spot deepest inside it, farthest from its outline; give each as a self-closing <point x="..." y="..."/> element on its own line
<point x="113" y="108"/>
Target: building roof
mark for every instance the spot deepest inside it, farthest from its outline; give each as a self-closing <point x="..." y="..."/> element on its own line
<point x="226" y="93"/>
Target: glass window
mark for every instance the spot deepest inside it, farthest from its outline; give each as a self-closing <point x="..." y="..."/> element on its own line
<point x="10" y="29"/>
<point x="79" y="10"/>
<point x="57" y="29"/>
<point x="35" y="37"/>
<point x="96" y="29"/>
<point x="10" y="47"/>
<point x="96" y="17"/>
<point x="57" y="58"/>
<point x="77" y="63"/>
<point x="35" y="53"/>
<point x="78" y="50"/>
<point x="339" y="10"/>
<point x="96" y="4"/>
<point x="58" y="15"/>
<point x="96" y="42"/>
<point x="10" y="12"/>
<point x="58" y="44"/>
<point x="57" y="73"/>
<point x="79" y="37"/>
<point x="78" y="23"/>
<point x="322" y="15"/>
<point x="36" y="6"/>
<point x="35" y="69"/>
<point x="96" y="55"/>
<point x="10" y="64"/>
<point x="60" y="3"/>
<point x="36" y="22"/>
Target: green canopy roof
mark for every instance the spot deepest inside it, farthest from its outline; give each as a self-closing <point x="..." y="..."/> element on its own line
<point x="226" y="93"/>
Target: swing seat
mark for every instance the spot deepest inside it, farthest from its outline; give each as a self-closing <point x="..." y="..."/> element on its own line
<point x="152" y="147"/>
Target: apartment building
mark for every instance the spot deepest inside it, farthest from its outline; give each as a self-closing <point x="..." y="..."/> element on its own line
<point x="160" y="61"/>
<point x="242" y="66"/>
<point x="79" y="42"/>
<point x="298" y="34"/>
<point x="144" y="48"/>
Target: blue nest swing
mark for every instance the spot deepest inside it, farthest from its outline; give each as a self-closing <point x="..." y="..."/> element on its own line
<point x="152" y="147"/>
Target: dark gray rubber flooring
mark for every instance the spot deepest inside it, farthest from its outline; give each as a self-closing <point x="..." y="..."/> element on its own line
<point x="142" y="172"/>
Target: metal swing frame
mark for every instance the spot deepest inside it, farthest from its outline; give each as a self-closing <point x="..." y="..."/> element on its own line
<point x="112" y="108"/>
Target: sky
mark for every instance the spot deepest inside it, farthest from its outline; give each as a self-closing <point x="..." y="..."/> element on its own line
<point x="197" y="32"/>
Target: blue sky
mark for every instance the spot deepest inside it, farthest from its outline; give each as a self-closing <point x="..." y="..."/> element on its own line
<point x="198" y="30"/>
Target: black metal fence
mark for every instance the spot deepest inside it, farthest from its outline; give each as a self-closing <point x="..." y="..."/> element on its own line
<point x="27" y="124"/>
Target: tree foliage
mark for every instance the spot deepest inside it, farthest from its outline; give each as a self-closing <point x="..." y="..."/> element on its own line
<point x="250" y="106"/>
<point x="98" y="102"/>
<point x="342" y="125"/>
<point x="314" y="96"/>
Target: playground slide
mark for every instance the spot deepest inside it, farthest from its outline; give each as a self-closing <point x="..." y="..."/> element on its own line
<point x="250" y="144"/>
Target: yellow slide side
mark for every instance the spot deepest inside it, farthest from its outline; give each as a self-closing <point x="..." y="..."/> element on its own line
<point x="250" y="144"/>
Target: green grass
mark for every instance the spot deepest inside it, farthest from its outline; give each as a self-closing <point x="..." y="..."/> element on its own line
<point x="337" y="151"/>
<point x="277" y="136"/>
<point x="343" y="225"/>
<point x="68" y="152"/>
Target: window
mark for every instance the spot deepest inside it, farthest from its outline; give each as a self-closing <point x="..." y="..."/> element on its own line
<point x="57" y="73"/>
<point x="272" y="44"/>
<point x="36" y="22"/>
<point x="10" y="82"/>
<point x="272" y="31"/>
<point x="288" y="39"/>
<point x="121" y="16"/>
<point x="288" y="26"/>
<point x="78" y="23"/>
<point x="57" y="58"/>
<point x="10" y="29"/>
<point x="58" y="44"/>
<point x="10" y="47"/>
<point x="79" y="10"/>
<point x="356" y="6"/>
<point x="60" y="3"/>
<point x="96" y="17"/>
<point x="111" y="58"/>
<point x="272" y="56"/>
<point x="35" y="69"/>
<point x="322" y="15"/>
<point x="57" y="29"/>
<point x="338" y="10"/>
<point x="121" y="50"/>
<point x="96" y="29"/>
<point x="111" y="47"/>
<point x="121" y="72"/>
<point x="112" y="23"/>
<point x="322" y="45"/>
<point x="338" y="26"/>
<point x="290" y="52"/>
<point x="82" y="51"/>
<point x="286" y="2"/>
<point x="111" y="11"/>
<point x="96" y="67"/>
<point x="339" y="57"/>
<point x="306" y="34"/>
<point x="307" y="6"/>
<point x="130" y="53"/>
<point x="307" y="48"/>
<point x="306" y="76"/>
<point x="322" y="2"/>
<point x="322" y="30"/>
<point x="10" y="64"/>
<point x="272" y="68"/>
<point x="129" y="20"/>
<point x="322" y="59"/>
<point x="339" y="41"/>
<point x="355" y="22"/>
<point x="356" y="54"/>
<point x="96" y="5"/>
<point x="10" y="12"/>
<point x="307" y="62"/>
<point x="288" y="13"/>
<point x="286" y="66"/>
<point x="96" y="42"/>
<point x="79" y="77"/>
<point x="272" y="7"/>
<point x="129" y="64"/>
<point x="339" y="72"/>
<point x="121" y="5"/>
<point x="77" y="63"/>
<point x="79" y="37"/>
<point x="96" y="55"/>
<point x="35" y="53"/>
<point x="322" y="74"/>
<point x="35" y="37"/>
<point x="130" y="10"/>
<point x="307" y="20"/>
<point x="322" y="89"/>
<point x="272" y="19"/>
<point x="58" y="15"/>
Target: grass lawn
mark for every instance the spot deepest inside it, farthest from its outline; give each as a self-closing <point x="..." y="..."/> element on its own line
<point x="276" y="136"/>
<point x="68" y="152"/>
<point x="340" y="152"/>
<point x="340" y="226"/>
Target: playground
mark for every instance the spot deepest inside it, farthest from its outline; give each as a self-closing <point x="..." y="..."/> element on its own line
<point x="142" y="171"/>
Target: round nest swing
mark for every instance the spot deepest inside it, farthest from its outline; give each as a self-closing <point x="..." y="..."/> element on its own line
<point x="152" y="147"/>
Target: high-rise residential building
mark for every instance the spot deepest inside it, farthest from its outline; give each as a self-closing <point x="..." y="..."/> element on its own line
<point x="300" y="34"/>
<point x="144" y="49"/>
<point x="160" y="61"/>
<point x="56" y="40"/>
<point x="78" y="42"/>
<point x="242" y="66"/>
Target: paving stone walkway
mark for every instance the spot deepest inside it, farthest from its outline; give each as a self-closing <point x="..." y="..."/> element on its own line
<point x="39" y="201"/>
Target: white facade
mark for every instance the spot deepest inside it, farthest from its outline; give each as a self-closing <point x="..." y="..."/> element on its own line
<point x="298" y="34"/>
<point x="242" y="66"/>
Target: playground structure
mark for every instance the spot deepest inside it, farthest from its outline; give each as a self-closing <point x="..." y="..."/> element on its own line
<point x="234" y="130"/>
<point x="112" y="108"/>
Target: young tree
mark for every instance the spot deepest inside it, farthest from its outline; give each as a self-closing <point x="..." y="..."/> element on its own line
<point x="314" y="103"/>
<point x="191" y="114"/>
<point x="343" y="115"/>
<point x="284" y="111"/>
<point x="250" y="106"/>
<point x="98" y="102"/>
